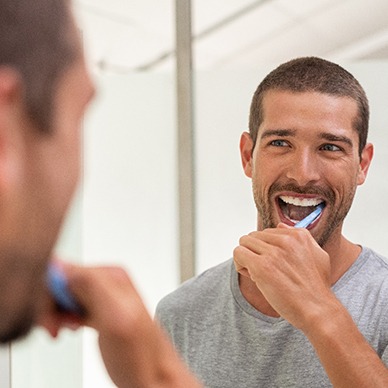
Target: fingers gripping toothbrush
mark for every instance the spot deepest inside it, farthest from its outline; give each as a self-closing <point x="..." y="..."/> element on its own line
<point x="58" y="286"/>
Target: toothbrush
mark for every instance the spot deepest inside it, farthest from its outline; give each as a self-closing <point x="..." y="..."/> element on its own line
<point x="310" y="218"/>
<point x="58" y="286"/>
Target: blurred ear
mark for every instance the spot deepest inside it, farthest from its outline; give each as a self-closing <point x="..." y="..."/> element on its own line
<point x="246" y="151"/>
<point x="366" y="159"/>
<point x="11" y="128"/>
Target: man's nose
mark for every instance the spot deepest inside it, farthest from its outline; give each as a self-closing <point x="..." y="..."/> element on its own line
<point x="304" y="167"/>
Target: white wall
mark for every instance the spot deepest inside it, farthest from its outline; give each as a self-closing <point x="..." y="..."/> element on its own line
<point x="367" y="222"/>
<point x="5" y="367"/>
<point x="130" y="212"/>
<point x="129" y="186"/>
<point x="225" y="208"/>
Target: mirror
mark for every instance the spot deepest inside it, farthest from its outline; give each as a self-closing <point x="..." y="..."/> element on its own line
<point x="126" y="210"/>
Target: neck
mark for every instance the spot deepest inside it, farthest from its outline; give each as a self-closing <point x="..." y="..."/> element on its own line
<point x="343" y="254"/>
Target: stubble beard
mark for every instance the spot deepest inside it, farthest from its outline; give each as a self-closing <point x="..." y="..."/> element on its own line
<point x="266" y="210"/>
<point x="19" y="327"/>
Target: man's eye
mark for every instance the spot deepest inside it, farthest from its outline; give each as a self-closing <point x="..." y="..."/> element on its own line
<point x="279" y="143"/>
<point x="330" y="147"/>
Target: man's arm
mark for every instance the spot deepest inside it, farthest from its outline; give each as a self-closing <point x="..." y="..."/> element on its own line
<point x="135" y="350"/>
<point x="299" y="290"/>
<point x="347" y="357"/>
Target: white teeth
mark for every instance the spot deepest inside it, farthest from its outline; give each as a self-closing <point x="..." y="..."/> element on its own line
<point x="297" y="201"/>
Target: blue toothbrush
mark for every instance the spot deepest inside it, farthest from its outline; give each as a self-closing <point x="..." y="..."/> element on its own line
<point x="310" y="218"/>
<point x="58" y="286"/>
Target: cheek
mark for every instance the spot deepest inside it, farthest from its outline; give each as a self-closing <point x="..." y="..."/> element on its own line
<point x="72" y="153"/>
<point x="72" y="169"/>
<point x="343" y="186"/>
<point x="264" y="176"/>
<point x="66" y="172"/>
<point x="74" y="162"/>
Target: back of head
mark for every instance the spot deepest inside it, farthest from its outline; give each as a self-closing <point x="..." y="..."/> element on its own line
<point x="38" y="40"/>
<point x="311" y="74"/>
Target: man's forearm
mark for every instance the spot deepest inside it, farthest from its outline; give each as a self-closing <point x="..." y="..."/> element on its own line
<point x="345" y="354"/>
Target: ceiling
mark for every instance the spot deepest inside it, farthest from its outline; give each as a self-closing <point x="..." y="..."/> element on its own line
<point x="139" y="35"/>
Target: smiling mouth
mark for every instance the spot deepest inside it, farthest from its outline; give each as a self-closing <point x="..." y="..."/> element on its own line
<point x="295" y="209"/>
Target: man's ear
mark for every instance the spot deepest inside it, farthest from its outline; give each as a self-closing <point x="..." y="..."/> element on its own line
<point x="366" y="159"/>
<point x="246" y="151"/>
<point x="11" y="129"/>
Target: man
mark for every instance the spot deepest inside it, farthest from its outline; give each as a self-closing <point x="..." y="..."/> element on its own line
<point x="44" y="90"/>
<point x="296" y="307"/>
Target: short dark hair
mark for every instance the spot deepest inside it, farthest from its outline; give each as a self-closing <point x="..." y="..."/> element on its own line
<point x="316" y="75"/>
<point x="37" y="39"/>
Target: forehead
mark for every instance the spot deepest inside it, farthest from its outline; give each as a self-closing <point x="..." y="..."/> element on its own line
<point x="312" y="110"/>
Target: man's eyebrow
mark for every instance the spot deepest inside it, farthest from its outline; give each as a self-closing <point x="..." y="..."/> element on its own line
<point x="336" y="138"/>
<point x="277" y="132"/>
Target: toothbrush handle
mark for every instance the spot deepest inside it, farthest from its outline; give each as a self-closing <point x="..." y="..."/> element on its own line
<point x="58" y="286"/>
<point x="310" y="218"/>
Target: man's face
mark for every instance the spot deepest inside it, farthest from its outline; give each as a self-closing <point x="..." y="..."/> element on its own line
<point x="306" y="153"/>
<point x="48" y="166"/>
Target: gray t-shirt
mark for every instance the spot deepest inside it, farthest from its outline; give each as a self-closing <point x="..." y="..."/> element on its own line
<point x="228" y="343"/>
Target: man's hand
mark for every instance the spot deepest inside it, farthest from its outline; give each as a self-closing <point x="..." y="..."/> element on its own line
<point x="135" y="350"/>
<point x="289" y="268"/>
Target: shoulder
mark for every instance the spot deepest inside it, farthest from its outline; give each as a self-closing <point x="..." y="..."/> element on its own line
<point x="366" y="281"/>
<point x="374" y="265"/>
<point x="367" y="299"/>
<point x="197" y="292"/>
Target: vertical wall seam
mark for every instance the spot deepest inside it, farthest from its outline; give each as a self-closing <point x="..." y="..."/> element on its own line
<point x="185" y="140"/>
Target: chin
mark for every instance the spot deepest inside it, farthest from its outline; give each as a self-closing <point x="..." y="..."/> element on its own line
<point x="21" y="298"/>
<point x="18" y="328"/>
